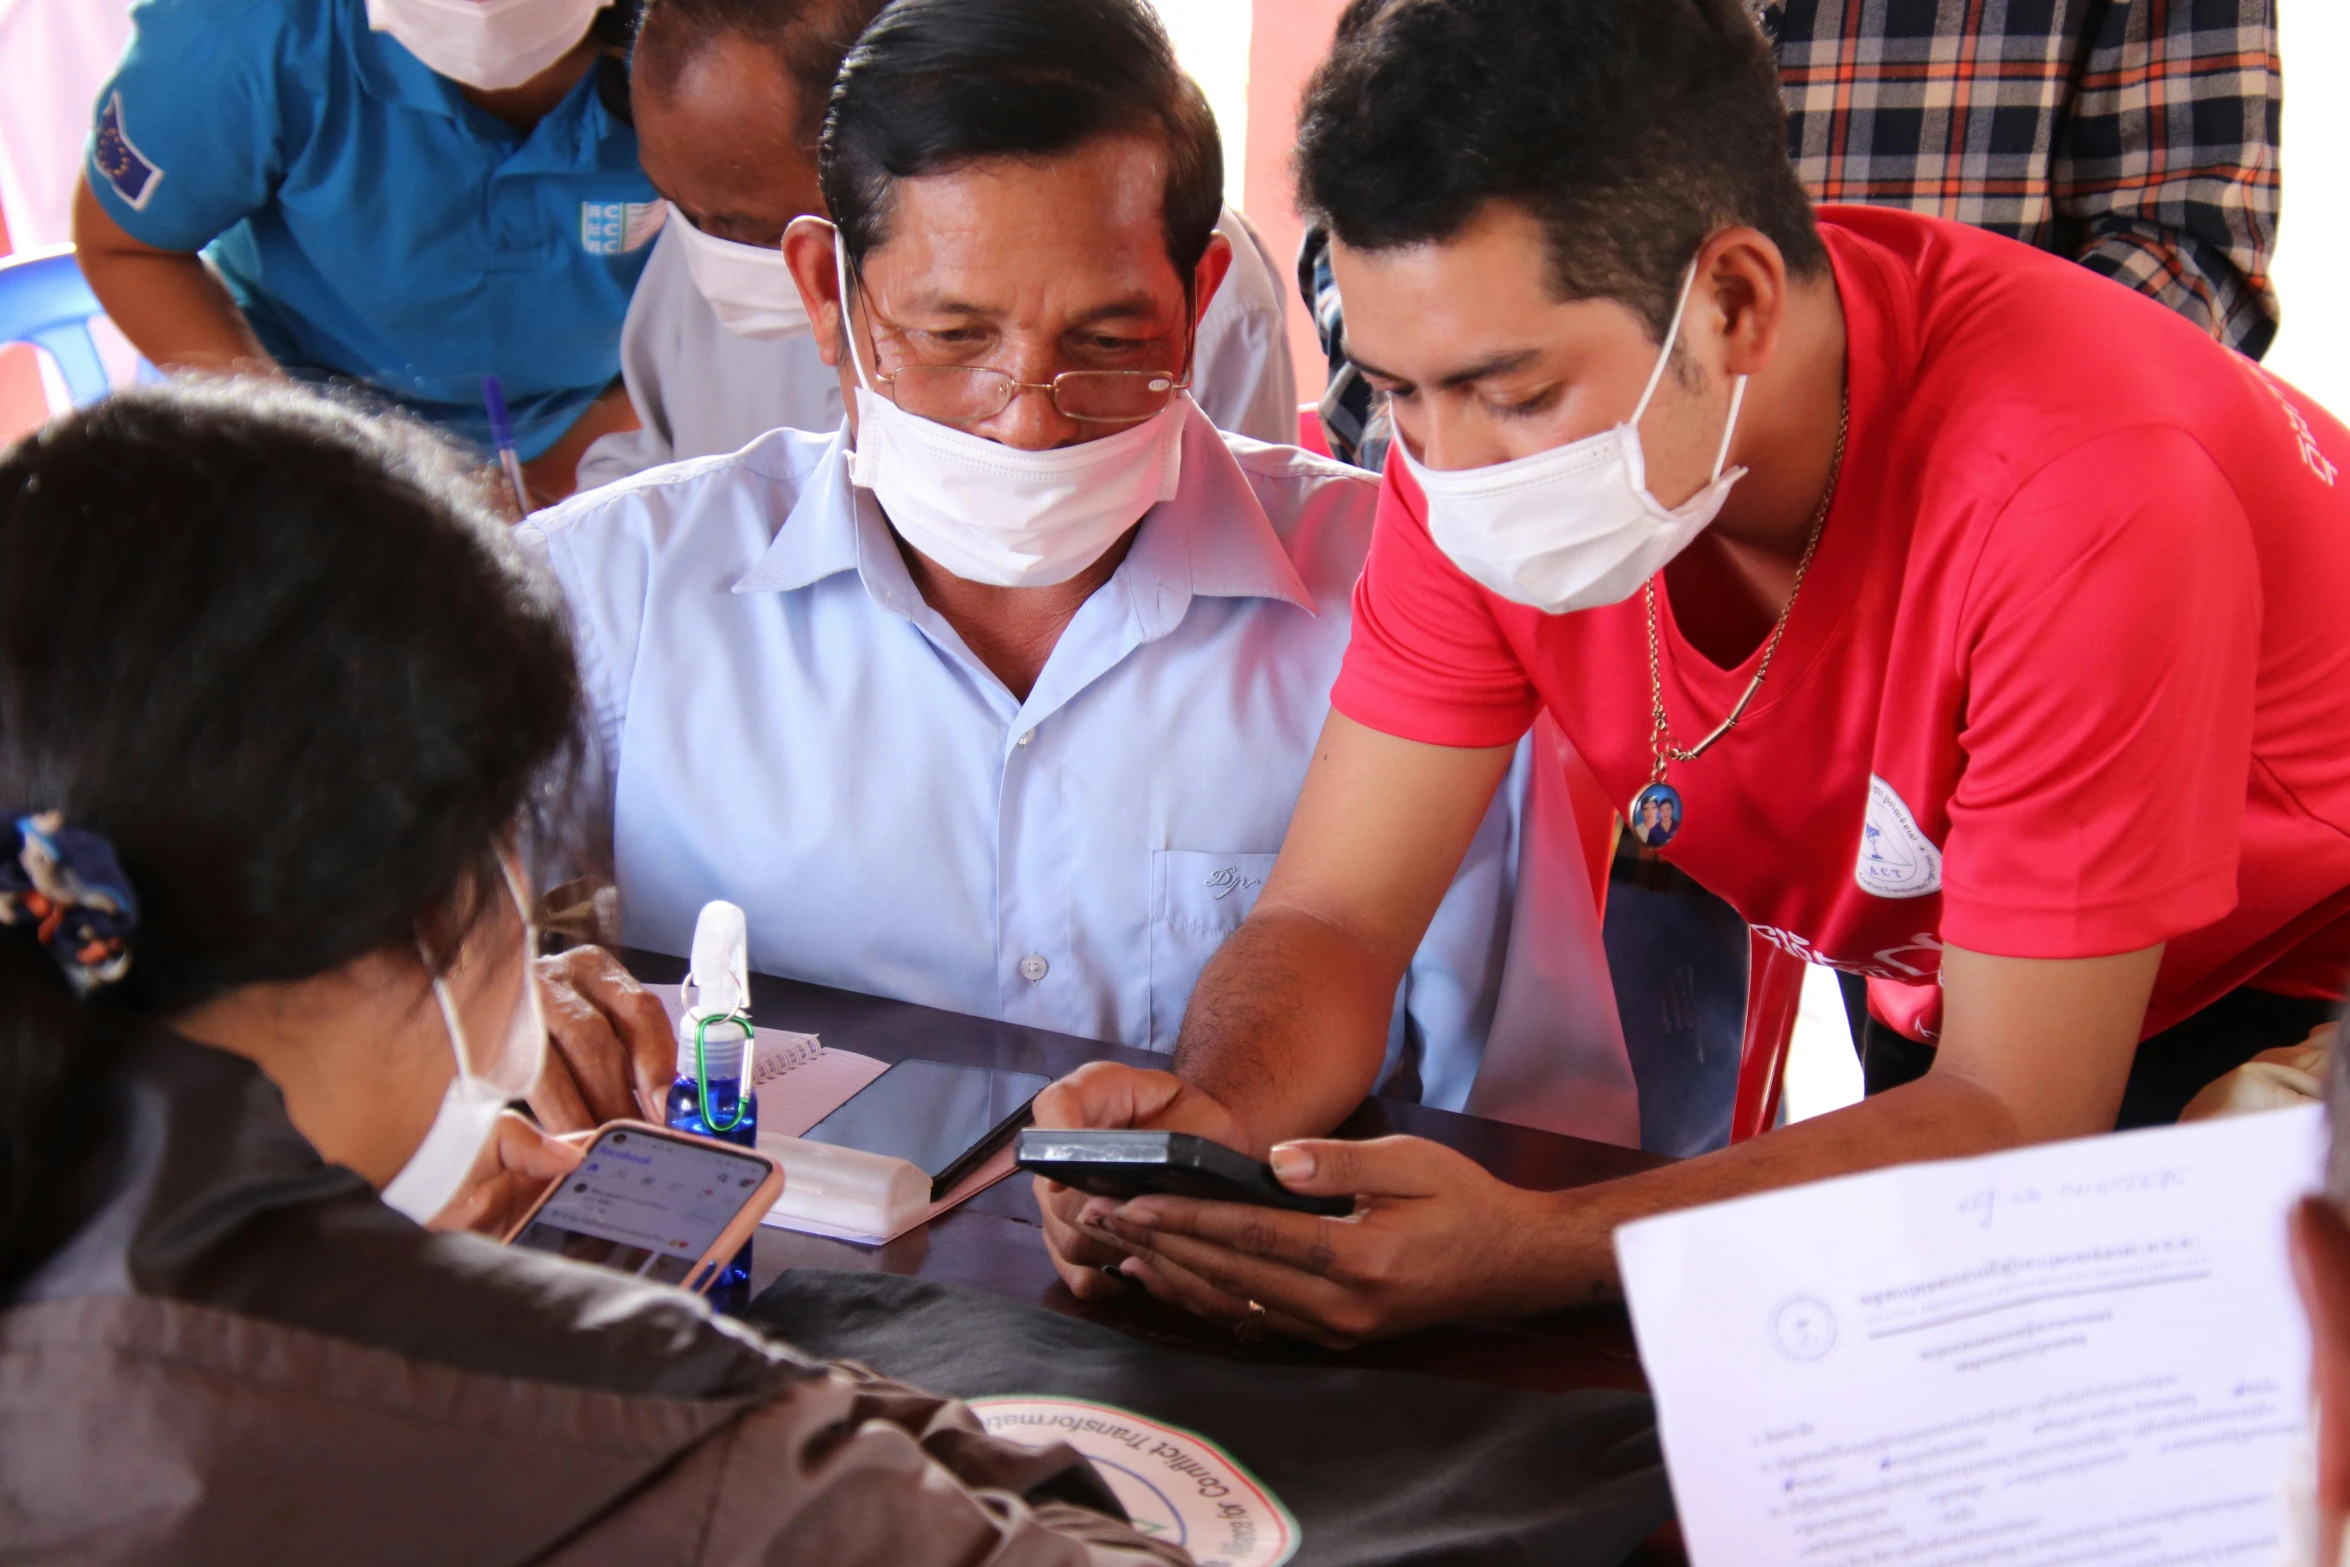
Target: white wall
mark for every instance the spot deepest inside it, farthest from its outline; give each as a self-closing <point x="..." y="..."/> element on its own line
<point x="2312" y="349"/>
<point x="54" y="55"/>
<point x="1211" y="39"/>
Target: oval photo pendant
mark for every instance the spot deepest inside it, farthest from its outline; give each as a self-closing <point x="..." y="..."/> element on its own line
<point x="1655" y="815"/>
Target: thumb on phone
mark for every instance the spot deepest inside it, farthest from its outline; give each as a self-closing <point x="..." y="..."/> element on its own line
<point x="1383" y="1167"/>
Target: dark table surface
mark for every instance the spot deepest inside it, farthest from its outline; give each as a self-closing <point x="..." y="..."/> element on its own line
<point x="994" y="1242"/>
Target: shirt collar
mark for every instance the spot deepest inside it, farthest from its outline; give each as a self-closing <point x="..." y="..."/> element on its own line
<point x="821" y="534"/>
<point x="1213" y="540"/>
<point x="388" y="71"/>
<point x="565" y="137"/>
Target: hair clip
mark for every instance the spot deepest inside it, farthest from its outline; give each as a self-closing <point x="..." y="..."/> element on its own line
<point x="65" y="886"/>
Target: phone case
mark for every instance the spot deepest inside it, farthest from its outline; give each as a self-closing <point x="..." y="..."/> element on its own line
<point x="738" y="1230"/>
<point x="1175" y="1164"/>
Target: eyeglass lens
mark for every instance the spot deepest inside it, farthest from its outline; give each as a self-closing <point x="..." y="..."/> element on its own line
<point x="962" y="394"/>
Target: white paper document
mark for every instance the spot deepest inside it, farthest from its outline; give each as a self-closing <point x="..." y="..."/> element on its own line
<point x="2082" y="1355"/>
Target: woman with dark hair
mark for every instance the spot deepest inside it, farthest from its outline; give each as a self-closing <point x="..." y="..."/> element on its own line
<point x="279" y="704"/>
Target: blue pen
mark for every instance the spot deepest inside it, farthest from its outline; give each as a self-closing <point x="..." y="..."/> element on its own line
<point x="493" y="397"/>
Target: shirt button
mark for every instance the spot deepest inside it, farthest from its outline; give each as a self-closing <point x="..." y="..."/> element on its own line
<point x="1027" y="736"/>
<point x="1033" y="968"/>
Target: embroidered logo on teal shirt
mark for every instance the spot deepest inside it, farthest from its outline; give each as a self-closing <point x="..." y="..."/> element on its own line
<point x="126" y="169"/>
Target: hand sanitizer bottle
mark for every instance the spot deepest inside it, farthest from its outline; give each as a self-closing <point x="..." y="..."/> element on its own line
<point x="712" y="1095"/>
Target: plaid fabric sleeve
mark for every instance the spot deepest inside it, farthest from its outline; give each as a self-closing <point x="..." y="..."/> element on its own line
<point x="1354" y="416"/>
<point x="2165" y="173"/>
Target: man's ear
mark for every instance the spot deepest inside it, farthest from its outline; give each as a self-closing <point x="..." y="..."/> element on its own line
<point x="807" y="251"/>
<point x="2321" y="1265"/>
<point x="1743" y="277"/>
<point x="1215" y="263"/>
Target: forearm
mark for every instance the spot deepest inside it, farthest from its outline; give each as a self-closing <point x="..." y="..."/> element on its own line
<point x="1940" y="1116"/>
<point x="176" y="312"/>
<point x="168" y="303"/>
<point x="1288" y="1025"/>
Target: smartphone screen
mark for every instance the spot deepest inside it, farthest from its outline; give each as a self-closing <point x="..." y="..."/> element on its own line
<point x="645" y="1204"/>
<point x="929" y="1113"/>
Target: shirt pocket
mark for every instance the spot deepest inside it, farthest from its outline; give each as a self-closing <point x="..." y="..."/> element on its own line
<point x="1198" y="897"/>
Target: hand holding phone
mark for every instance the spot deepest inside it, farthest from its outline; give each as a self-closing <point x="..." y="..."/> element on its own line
<point x="1175" y="1164"/>
<point x="514" y="1170"/>
<point x="658" y="1204"/>
<point x="1111" y="1096"/>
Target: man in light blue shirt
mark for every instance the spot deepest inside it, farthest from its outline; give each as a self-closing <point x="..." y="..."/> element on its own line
<point x="998" y="699"/>
<point x="372" y="217"/>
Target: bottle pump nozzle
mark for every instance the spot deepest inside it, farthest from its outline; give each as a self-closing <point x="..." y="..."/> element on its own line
<point x="722" y="959"/>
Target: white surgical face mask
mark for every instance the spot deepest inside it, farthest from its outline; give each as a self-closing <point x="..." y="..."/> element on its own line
<point x="490" y="44"/>
<point x="480" y="1091"/>
<point x="748" y="286"/>
<point x="1574" y="527"/>
<point x="996" y="514"/>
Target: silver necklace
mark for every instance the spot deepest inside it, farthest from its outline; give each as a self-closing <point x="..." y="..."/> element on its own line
<point x="1656" y="814"/>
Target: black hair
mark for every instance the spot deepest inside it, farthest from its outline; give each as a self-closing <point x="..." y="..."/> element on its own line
<point x="282" y="656"/>
<point x="614" y="30"/>
<point x="614" y="27"/>
<point x="1630" y="129"/>
<point x="808" y="37"/>
<point x="937" y="84"/>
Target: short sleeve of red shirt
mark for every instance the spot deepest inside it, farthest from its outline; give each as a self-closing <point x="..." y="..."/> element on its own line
<point x="1427" y="661"/>
<point x="2108" y="644"/>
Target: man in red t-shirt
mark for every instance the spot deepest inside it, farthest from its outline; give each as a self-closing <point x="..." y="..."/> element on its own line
<point x="1966" y="621"/>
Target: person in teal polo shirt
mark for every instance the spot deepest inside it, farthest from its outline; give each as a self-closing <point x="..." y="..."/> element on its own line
<point x="406" y="194"/>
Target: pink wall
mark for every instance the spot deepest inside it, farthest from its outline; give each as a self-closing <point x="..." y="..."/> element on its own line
<point x="22" y="402"/>
<point x="1288" y="39"/>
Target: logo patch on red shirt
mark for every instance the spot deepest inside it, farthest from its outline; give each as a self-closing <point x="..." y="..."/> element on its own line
<point x="1897" y="860"/>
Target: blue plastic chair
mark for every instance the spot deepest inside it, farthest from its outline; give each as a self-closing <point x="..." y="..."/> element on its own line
<point x="44" y="301"/>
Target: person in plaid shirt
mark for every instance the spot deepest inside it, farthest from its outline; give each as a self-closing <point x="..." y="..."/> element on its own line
<point x="2138" y="137"/>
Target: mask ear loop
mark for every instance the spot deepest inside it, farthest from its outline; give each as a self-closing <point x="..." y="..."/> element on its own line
<point x="848" y="327"/>
<point x="459" y="1045"/>
<point x="528" y="1003"/>
<point x="1656" y="376"/>
<point x="1672" y="337"/>
<point x="1730" y="425"/>
<point x="449" y="1023"/>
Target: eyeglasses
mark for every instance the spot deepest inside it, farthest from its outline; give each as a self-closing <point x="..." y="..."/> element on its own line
<point x="969" y="394"/>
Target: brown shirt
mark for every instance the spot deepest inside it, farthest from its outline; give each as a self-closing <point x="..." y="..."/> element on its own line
<point x="241" y="1356"/>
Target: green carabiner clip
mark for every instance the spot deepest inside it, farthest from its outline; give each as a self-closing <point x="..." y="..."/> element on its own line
<point x="742" y="1100"/>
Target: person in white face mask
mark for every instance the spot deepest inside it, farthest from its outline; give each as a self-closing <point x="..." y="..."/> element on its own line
<point x="1017" y="672"/>
<point x="407" y="196"/>
<point x="266" y="991"/>
<point x="729" y="98"/>
<point x="1964" y="622"/>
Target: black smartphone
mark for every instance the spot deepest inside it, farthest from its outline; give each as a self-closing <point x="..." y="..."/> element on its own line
<point x="1178" y="1164"/>
<point x="942" y="1118"/>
